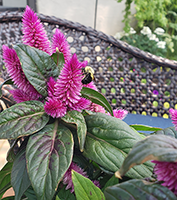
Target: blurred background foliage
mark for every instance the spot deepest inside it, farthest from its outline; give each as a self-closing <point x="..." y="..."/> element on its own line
<point x="153" y="14"/>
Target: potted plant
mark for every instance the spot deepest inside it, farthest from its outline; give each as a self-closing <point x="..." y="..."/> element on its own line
<point x="66" y="141"/>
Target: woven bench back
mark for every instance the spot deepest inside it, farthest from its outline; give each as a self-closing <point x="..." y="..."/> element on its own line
<point x="131" y="79"/>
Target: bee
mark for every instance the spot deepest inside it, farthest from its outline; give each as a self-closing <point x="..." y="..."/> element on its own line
<point x="88" y="75"/>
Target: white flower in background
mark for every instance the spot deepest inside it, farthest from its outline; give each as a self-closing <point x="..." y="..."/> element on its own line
<point x="153" y="37"/>
<point x="132" y="31"/>
<point x="159" y="31"/>
<point x="146" y="31"/>
<point x="161" y="44"/>
<point x="119" y="35"/>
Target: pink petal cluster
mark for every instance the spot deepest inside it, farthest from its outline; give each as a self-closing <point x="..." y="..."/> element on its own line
<point x="173" y="114"/>
<point x="167" y="173"/>
<point x="120" y="114"/>
<point x="34" y="32"/>
<point x="55" y="107"/>
<point x="59" y="41"/>
<point x="20" y="95"/>
<point x="67" y="179"/>
<point x="67" y="89"/>
<point x="15" y="71"/>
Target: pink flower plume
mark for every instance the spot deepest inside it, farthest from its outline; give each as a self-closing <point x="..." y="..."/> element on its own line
<point x="121" y="113"/>
<point x="15" y="71"/>
<point x="59" y="41"/>
<point x="20" y="96"/>
<point x="67" y="179"/>
<point x="167" y="173"/>
<point x="68" y="85"/>
<point x="55" y="108"/>
<point x="173" y="114"/>
<point x="34" y="32"/>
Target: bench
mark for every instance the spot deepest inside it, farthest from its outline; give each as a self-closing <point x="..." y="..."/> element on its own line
<point x="130" y="78"/>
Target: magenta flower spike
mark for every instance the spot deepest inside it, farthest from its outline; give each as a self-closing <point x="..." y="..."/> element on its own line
<point x="51" y="84"/>
<point x="69" y="85"/>
<point x="67" y="179"/>
<point x="34" y="32"/>
<point x="20" y="95"/>
<point x="173" y="114"/>
<point x="167" y="173"/>
<point x="120" y="114"/>
<point x="55" y="108"/>
<point x="59" y="41"/>
<point x="15" y="71"/>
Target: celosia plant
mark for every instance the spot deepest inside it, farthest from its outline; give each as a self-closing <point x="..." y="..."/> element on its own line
<point x="66" y="141"/>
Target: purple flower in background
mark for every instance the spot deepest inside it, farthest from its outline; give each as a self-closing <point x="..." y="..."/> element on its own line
<point x="34" y="32"/>
<point x="155" y="92"/>
<point x="20" y="95"/>
<point x="167" y="173"/>
<point x="55" y="108"/>
<point x="173" y="114"/>
<point x="121" y="114"/>
<point x="68" y="85"/>
<point x="80" y="105"/>
<point x="15" y="71"/>
<point x="59" y="41"/>
<point x="51" y="84"/>
<point x="67" y="179"/>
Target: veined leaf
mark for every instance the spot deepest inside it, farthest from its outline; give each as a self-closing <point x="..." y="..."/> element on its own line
<point x="138" y="190"/>
<point x="49" y="153"/>
<point x="139" y="127"/>
<point x="22" y="119"/>
<point x="85" y="189"/>
<point x="112" y="181"/>
<point x="170" y="131"/>
<point x="19" y="176"/>
<point x="108" y="142"/>
<point x="155" y="147"/>
<point x="5" y="178"/>
<point x="37" y="66"/>
<point x="97" y="98"/>
<point x="30" y="194"/>
<point x="64" y="194"/>
<point x="58" y="58"/>
<point x="77" y="118"/>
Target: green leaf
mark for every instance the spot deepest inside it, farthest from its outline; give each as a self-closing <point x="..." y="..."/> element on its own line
<point x="144" y="128"/>
<point x="97" y="98"/>
<point x="155" y="147"/>
<point x="108" y="142"/>
<point x="19" y="176"/>
<point x="64" y="194"/>
<point x="30" y="194"/>
<point x="77" y="118"/>
<point x="112" y="181"/>
<point x="5" y="178"/>
<point x="85" y="189"/>
<point x="9" y="198"/>
<point x="37" y="66"/>
<point x="8" y="81"/>
<point x="22" y="119"/>
<point x="59" y="60"/>
<point x="49" y="153"/>
<point x="138" y="190"/>
<point x="11" y="154"/>
<point x="170" y="131"/>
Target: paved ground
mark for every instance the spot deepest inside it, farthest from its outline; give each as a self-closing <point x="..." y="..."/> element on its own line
<point x="4" y="146"/>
